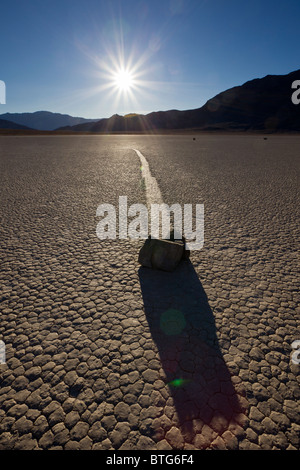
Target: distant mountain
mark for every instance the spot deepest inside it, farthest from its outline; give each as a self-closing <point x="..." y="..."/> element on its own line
<point x="261" y="104"/>
<point x="11" y="125"/>
<point x="44" y="120"/>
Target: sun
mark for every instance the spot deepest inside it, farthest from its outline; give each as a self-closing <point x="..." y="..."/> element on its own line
<point x="123" y="80"/>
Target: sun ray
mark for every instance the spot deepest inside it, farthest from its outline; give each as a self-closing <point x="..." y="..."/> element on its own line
<point x="123" y="73"/>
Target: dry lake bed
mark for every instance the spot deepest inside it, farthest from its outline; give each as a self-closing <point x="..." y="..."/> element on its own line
<point x="100" y="353"/>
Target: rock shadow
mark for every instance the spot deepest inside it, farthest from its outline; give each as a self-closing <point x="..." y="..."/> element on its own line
<point x="208" y="404"/>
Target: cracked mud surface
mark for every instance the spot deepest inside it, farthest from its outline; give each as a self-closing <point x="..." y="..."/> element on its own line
<point x="104" y="354"/>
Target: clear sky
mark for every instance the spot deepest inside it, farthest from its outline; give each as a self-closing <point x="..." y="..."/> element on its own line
<point x="95" y="58"/>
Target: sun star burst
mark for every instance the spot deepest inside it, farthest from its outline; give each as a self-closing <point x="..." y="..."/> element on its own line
<point x="123" y="80"/>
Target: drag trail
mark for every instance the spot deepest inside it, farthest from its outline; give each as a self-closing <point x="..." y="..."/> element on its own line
<point x="153" y="193"/>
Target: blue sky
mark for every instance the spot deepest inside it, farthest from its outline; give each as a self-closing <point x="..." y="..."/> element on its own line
<point x="62" y="56"/>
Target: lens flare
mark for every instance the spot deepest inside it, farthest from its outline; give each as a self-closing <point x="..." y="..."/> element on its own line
<point x="177" y="383"/>
<point x="172" y="322"/>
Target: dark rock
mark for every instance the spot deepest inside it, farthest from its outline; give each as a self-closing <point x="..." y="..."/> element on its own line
<point x="163" y="254"/>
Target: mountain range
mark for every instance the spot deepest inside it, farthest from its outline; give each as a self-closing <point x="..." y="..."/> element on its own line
<point x="262" y="104"/>
<point x="4" y="124"/>
<point x="44" y="120"/>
